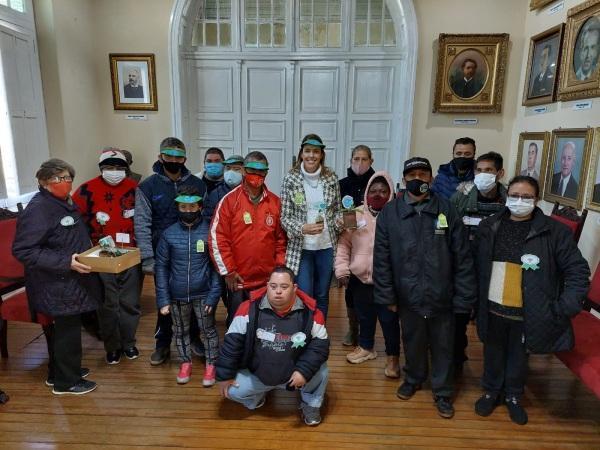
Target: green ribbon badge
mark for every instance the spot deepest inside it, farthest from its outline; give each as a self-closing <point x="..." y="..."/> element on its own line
<point x="298" y="198"/>
<point x="530" y="262"/>
<point x="298" y="340"/>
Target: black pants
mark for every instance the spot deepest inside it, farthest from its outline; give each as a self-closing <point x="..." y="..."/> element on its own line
<point x="66" y="351"/>
<point x="235" y="299"/>
<point x="504" y="357"/>
<point x="421" y="336"/>
<point x="460" y="338"/>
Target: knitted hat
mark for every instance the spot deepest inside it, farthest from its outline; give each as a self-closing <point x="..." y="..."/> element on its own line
<point x="112" y="157"/>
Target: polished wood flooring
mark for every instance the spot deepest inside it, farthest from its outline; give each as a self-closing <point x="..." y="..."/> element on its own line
<point x="139" y="406"/>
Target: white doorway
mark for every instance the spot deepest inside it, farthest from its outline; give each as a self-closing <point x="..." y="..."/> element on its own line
<point x="260" y="74"/>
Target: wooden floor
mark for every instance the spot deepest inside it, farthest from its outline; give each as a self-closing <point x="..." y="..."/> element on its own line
<point x="139" y="406"/>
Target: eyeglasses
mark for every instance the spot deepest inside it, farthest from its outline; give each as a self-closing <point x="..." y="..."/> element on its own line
<point x="522" y="197"/>
<point x="57" y="179"/>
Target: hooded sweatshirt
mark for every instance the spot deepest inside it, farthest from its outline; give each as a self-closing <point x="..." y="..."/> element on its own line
<point x="355" y="247"/>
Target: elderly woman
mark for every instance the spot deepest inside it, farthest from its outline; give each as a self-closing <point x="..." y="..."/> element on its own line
<point x="50" y="235"/>
<point x="311" y="217"/>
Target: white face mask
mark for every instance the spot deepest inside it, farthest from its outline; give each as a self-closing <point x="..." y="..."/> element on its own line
<point x="113" y="177"/>
<point x="520" y="207"/>
<point x="485" y="182"/>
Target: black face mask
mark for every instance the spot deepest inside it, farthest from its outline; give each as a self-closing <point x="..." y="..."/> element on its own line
<point x="172" y="167"/>
<point x="463" y="164"/>
<point x="189" y="217"/>
<point x="417" y="187"/>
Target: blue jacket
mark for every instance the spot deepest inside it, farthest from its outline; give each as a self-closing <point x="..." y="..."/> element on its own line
<point x="155" y="207"/>
<point x="213" y="198"/>
<point x="184" y="271"/>
<point x="447" y="180"/>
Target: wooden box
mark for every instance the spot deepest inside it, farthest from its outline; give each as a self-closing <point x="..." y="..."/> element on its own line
<point x="110" y="264"/>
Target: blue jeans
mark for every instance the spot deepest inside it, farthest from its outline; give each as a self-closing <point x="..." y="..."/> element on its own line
<point x="314" y="276"/>
<point x="250" y="390"/>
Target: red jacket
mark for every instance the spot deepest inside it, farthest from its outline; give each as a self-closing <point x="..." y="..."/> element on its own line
<point x="96" y="195"/>
<point x="247" y="238"/>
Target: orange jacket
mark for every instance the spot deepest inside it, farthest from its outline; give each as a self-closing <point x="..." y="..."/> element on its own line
<point x="247" y="238"/>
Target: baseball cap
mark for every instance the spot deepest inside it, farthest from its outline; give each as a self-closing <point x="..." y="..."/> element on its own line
<point x="416" y="163"/>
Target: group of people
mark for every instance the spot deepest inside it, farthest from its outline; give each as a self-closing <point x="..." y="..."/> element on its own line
<point x="422" y="261"/>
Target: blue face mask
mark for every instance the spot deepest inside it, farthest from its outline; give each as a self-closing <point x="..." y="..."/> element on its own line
<point x="232" y="178"/>
<point x="213" y="169"/>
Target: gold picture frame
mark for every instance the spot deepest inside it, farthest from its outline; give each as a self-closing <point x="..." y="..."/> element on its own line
<point x="133" y="79"/>
<point x="530" y="141"/>
<point x="580" y="68"/>
<point x="543" y="67"/>
<point x="470" y="73"/>
<point x="567" y="173"/>
<point x="593" y="186"/>
<point x="537" y="4"/>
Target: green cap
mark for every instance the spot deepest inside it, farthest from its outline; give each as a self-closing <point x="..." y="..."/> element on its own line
<point x="188" y="199"/>
<point x="258" y="165"/>
<point x="314" y="142"/>
<point x="173" y="151"/>
<point x="234" y="159"/>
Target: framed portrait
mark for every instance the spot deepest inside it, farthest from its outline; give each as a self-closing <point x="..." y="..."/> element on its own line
<point x="470" y="72"/>
<point x="532" y="156"/>
<point x="543" y="63"/>
<point x="568" y="166"/>
<point x="593" y="191"/>
<point x="580" y="66"/>
<point x="537" y="4"/>
<point x="133" y="77"/>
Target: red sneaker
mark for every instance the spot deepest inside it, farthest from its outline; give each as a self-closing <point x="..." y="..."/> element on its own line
<point x="209" y="375"/>
<point x="185" y="373"/>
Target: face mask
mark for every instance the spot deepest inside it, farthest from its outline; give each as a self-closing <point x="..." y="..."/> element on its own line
<point x="254" y="180"/>
<point x="520" y="207"/>
<point x="232" y="178"/>
<point x="213" y="169"/>
<point x="60" y="190"/>
<point x="417" y="187"/>
<point x="113" y="177"/>
<point x="463" y="164"/>
<point x="172" y="167"/>
<point x="360" y="168"/>
<point x="485" y="182"/>
<point x="189" y="217"/>
<point x="376" y="202"/>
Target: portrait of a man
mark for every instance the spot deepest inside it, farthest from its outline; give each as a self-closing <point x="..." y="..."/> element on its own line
<point x="531" y="168"/>
<point x="543" y="81"/>
<point x="469" y="83"/>
<point x="133" y="88"/>
<point x="587" y="50"/>
<point x="564" y="182"/>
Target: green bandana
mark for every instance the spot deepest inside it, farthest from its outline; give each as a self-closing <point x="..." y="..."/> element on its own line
<point x="171" y="151"/>
<point x="258" y="165"/>
<point x="188" y="199"/>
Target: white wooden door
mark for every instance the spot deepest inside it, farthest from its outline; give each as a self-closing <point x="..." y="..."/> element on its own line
<point x="320" y="107"/>
<point x="267" y="115"/>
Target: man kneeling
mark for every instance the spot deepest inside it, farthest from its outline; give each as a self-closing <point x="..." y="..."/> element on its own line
<point x="277" y="340"/>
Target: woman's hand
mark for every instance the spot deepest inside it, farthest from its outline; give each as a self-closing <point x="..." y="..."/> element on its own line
<point x="77" y="266"/>
<point x="165" y="310"/>
<point x="313" y="228"/>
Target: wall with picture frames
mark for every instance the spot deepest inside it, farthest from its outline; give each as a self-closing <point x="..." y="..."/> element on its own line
<point x="564" y="115"/>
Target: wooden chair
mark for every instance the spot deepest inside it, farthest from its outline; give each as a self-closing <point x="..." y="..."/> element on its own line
<point x="14" y="305"/>
<point x="570" y="218"/>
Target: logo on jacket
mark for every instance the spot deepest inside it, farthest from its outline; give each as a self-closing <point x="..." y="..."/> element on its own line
<point x="269" y="220"/>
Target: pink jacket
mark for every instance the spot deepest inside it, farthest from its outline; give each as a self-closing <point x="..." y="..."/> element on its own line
<point x="355" y="247"/>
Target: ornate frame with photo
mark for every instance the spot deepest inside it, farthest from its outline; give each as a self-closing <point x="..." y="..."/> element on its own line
<point x="535" y="136"/>
<point x="492" y="50"/>
<point x="592" y="176"/>
<point x="537" y="4"/>
<point x="145" y="98"/>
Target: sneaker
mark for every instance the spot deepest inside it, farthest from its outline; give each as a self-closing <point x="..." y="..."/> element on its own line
<point x="185" y="373"/>
<point x="486" y="404"/>
<point x="160" y="355"/>
<point x="84" y="372"/>
<point x="198" y="348"/>
<point x="132" y="353"/>
<point x="310" y="414"/>
<point x="113" y="357"/>
<point x="80" y="388"/>
<point x="360" y="355"/>
<point x="444" y="406"/>
<point x="209" y="375"/>
<point x="407" y="390"/>
<point x="392" y="367"/>
<point x="516" y="412"/>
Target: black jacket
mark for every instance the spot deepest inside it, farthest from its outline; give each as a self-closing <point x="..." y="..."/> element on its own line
<point x="552" y="294"/>
<point x="420" y="265"/>
<point x="45" y="245"/>
<point x="355" y="185"/>
<point x="570" y="190"/>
